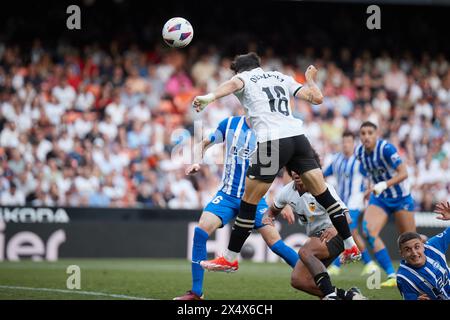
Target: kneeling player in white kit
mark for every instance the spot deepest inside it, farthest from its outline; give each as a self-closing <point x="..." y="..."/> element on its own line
<point x="324" y="245"/>
<point x="265" y="96"/>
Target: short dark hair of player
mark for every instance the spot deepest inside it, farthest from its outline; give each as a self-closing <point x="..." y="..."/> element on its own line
<point x="245" y="62"/>
<point x="405" y="237"/>
<point x="348" y="133"/>
<point x="316" y="157"/>
<point x="368" y="124"/>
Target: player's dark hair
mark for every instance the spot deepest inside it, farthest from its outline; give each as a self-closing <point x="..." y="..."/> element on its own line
<point x="368" y="124"/>
<point x="348" y="133"/>
<point x="405" y="237"/>
<point x="245" y="62"/>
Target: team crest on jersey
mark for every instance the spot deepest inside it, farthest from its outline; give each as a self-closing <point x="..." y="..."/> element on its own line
<point x="312" y="206"/>
<point x="377" y="172"/>
<point x="243" y="153"/>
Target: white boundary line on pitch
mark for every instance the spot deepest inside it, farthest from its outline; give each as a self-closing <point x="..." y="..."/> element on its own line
<point x="87" y="293"/>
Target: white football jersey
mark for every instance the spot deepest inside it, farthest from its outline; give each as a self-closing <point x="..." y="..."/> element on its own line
<point x="266" y="100"/>
<point x="310" y="213"/>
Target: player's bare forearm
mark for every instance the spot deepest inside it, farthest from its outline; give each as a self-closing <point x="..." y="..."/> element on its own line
<point x="402" y="174"/>
<point x="228" y="87"/>
<point x="206" y="143"/>
<point x="273" y="211"/>
<point x="310" y="91"/>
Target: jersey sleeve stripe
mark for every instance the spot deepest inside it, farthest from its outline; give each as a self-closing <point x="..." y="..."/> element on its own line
<point x="297" y="90"/>
<point x="243" y="81"/>
<point x="435" y="251"/>
<point x="275" y="205"/>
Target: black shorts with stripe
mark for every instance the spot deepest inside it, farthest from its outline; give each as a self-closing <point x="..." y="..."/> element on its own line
<point x="295" y="153"/>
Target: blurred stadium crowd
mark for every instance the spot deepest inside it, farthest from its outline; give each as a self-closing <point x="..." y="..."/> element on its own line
<point x="91" y="126"/>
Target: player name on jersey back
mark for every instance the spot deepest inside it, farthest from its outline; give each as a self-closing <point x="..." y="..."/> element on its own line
<point x="266" y="100"/>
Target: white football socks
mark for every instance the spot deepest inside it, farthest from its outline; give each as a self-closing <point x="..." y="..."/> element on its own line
<point x="349" y="243"/>
<point x="230" y="256"/>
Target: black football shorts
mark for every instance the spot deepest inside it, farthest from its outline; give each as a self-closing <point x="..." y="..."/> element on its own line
<point x="295" y="153"/>
<point x="335" y="247"/>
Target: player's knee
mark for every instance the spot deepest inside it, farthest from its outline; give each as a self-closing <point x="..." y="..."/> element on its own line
<point x="296" y="281"/>
<point x="207" y="226"/>
<point x="270" y="235"/>
<point x="369" y="234"/>
<point x="300" y="283"/>
<point x="304" y="253"/>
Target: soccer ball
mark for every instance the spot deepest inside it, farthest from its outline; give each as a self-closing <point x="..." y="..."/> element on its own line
<point x="177" y="32"/>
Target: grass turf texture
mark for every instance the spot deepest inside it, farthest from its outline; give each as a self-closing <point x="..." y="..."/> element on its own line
<point x="164" y="279"/>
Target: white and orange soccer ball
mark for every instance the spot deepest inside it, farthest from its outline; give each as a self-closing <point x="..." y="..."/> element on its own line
<point x="177" y="32"/>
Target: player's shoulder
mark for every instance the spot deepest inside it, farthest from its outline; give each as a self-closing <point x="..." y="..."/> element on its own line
<point x="386" y="145"/>
<point x="359" y="150"/>
<point x="232" y="121"/>
<point x="402" y="269"/>
<point x="288" y="191"/>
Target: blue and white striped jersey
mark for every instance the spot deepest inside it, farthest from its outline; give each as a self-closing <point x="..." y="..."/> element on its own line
<point x="380" y="165"/>
<point x="240" y="142"/>
<point x="349" y="175"/>
<point x="433" y="278"/>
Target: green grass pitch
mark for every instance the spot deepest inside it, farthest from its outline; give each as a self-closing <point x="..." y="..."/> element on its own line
<point x="162" y="279"/>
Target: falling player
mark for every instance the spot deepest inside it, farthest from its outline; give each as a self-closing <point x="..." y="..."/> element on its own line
<point x="240" y="143"/>
<point x="281" y="142"/>
<point x="349" y="175"/>
<point x="388" y="195"/>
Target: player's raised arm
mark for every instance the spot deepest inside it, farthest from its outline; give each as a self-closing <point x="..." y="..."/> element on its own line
<point x="310" y="91"/>
<point x="225" y="89"/>
<point x="204" y="145"/>
<point x="443" y="209"/>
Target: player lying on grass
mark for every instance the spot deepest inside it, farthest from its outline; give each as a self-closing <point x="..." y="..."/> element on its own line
<point x="240" y="143"/>
<point x="265" y="96"/>
<point x="424" y="273"/>
<point x="324" y="245"/>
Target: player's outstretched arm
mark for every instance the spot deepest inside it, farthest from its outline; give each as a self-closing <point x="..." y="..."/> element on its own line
<point x="194" y="168"/>
<point x="225" y="89"/>
<point x="443" y="209"/>
<point x="310" y="91"/>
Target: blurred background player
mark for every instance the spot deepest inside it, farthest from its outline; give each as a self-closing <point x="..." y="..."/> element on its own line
<point x="389" y="195"/>
<point x="350" y="187"/>
<point x="240" y="143"/>
<point x="324" y="245"/>
<point x="281" y="142"/>
<point x="424" y="273"/>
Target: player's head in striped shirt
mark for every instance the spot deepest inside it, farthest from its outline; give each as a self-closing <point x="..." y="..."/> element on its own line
<point x="412" y="249"/>
<point x="368" y="133"/>
<point x="348" y="143"/>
